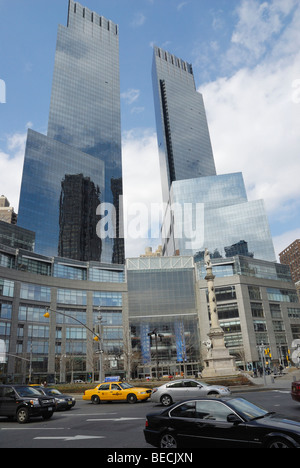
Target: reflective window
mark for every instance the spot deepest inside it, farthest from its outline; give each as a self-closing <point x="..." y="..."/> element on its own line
<point x="35" y="292"/>
<point x="5" y="310"/>
<point x="69" y="272"/>
<point x="282" y="295"/>
<point x="5" y="328"/>
<point x="31" y="313"/>
<point x="294" y="313"/>
<point x="112" y="317"/>
<point x="212" y="410"/>
<point x="186" y="410"/>
<point x="71" y="296"/>
<point x="7" y="261"/>
<point x="6" y="288"/>
<point x="38" y="331"/>
<point x="108" y="299"/>
<point x="106" y="276"/>
<point x="70" y="316"/>
<point x="254" y="292"/>
<point x="78" y="333"/>
<point x="34" y="266"/>
<point x="110" y="333"/>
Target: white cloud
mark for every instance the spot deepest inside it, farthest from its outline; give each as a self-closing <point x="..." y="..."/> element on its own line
<point x="141" y="187"/>
<point x="258" y="24"/>
<point x="254" y="117"/>
<point x="11" y="166"/>
<point x="137" y="110"/>
<point x="181" y="5"/>
<point x="138" y="20"/>
<point x="131" y="95"/>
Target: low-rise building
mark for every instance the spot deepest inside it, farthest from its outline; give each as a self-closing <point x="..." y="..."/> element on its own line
<point x="152" y="315"/>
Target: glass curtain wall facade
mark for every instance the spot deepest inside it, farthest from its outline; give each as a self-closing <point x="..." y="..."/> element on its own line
<point x="183" y="137"/>
<point x="202" y="209"/>
<point x="84" y="138"/>
<point x="162" y="299"/>
<point x="224" y="219"/>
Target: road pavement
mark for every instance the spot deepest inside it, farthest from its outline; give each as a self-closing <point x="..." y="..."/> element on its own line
<point x="270" y="382"/>
<point x="120" y="425"/>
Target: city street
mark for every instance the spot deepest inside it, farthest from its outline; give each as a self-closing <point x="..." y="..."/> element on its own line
<point x="113" y="425"/>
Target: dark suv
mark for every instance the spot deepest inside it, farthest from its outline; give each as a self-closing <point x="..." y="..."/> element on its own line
<point x="23" y="402"/>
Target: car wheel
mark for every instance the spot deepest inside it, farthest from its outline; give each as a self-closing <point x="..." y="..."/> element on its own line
<point x="213" y="393"/>
<point x="22" y="415"/>
<point x="278" y="442"/>
<point x="168" y="441"/>
<point x="95" y="400"/>
<point x="166" y="400"/>
<point x="131" y="398"/>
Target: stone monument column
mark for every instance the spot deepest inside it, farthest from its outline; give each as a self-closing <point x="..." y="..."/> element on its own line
<point x="218" y="361"/>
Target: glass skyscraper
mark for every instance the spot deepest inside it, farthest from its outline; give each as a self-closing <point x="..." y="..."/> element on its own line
<point x="83" y="142"/>
<point x="202" y="209"/>
<point x="185" y="150"/>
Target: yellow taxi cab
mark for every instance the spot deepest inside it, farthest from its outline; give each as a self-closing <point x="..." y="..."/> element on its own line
<point x="116" y="391"/>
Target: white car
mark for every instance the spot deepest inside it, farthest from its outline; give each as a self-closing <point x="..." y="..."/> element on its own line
<point x="184" y="389"/>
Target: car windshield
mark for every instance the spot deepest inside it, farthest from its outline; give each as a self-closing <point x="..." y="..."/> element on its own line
<point x="125" y="385"/>
<point x="28" y="391"/>
<point x="40" y="391"/>
<point x="204" y="384"/>
<point x="247" y="410"/>
<point x="52" y="391"/>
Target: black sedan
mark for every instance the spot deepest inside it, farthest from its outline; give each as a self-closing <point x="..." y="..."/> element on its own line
<point x="220" y="422"/>
<point x="62" y="402"/>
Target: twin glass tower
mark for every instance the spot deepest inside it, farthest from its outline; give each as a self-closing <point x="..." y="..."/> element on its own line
<point x="76" y="169"/>
<point x="202" y="209"/>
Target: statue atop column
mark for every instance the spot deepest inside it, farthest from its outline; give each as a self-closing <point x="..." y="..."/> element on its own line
<point x="218" y="360"/>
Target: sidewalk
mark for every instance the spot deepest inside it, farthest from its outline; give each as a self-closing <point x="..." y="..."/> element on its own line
<point x="270" y="382"/>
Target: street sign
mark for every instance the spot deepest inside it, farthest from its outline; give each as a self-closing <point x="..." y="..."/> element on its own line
<point x="113" y="378"/>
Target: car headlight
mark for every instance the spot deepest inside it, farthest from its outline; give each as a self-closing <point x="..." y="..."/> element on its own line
<point x="60" y="400"/>
<point x="142" y="393"/>
<point x="35" y="402"/>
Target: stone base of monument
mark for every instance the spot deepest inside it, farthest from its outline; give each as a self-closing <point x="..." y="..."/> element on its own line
<point x="218" y="361"/>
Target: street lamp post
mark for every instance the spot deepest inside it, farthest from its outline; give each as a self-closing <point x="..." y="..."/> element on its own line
<point x="261" y="349"/>
<point x="96" y="337"/>
<point x="100" y="351"/>
<point x="47" y="315"/>
<point x="156" y="335"/>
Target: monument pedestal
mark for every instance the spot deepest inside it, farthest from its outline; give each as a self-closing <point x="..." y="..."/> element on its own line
<point x="218" y="361"/>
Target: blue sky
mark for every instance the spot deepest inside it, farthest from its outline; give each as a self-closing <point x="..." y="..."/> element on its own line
<point x="246" y="61"/>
